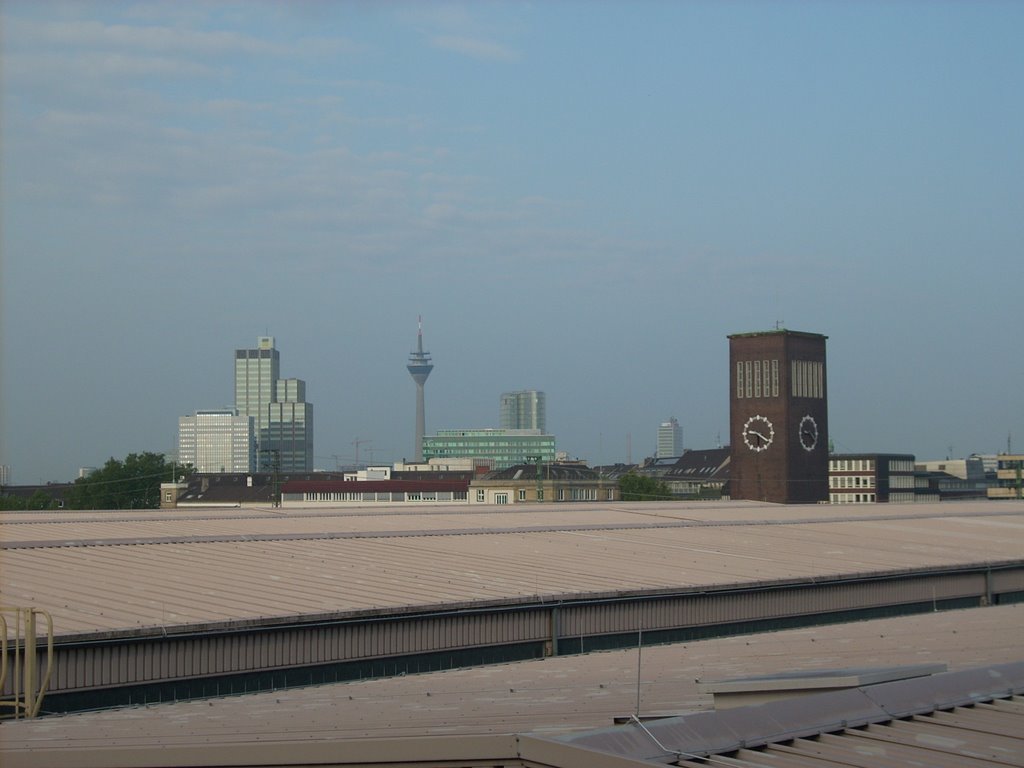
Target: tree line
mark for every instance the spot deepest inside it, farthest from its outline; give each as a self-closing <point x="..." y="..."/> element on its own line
<point x="134" y="483"/>
<point x="634" y="487"/>
<point x="131" y="483"/>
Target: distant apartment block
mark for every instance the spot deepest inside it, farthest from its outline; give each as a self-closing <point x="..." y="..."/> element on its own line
<point x="217" y="441"/>
<point x="5" y="474"/>
<point x="505" y="447"/>
<point x="526" y="409"/>
<point x="871" y="478"/>
<point x="670" y="439"/>
<point x="1009" y="481"/>
<point x="547" y="483"/>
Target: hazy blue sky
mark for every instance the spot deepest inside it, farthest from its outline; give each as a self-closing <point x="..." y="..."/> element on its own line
<point x="579" y="197"/>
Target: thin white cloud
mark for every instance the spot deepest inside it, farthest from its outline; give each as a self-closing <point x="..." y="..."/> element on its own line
<point x="56" y="67"/>
<point x="476" y="48"/>
<point x="96" y="35"/>
<point x="458" y="29"/>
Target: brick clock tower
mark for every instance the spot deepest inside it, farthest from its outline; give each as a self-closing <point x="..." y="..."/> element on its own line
<point x="778" y="417"/>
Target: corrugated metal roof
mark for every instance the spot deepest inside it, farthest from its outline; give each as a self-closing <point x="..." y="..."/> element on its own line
<point x="550" y="696"/>
<point x="815" y="725"/>
<point x="207" y="568"/>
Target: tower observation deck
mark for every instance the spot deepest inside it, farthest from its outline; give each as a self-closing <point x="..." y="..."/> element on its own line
<point x="419" y="368"/>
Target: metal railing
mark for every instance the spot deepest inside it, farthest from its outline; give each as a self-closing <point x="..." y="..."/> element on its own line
<point x="19" y="658"/>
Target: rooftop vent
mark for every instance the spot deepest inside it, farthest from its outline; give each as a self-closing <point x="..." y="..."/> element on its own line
<point x="744" y="691"/>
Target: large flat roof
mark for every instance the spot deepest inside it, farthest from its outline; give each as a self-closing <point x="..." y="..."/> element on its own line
<point x="116" y="572"/>
<point x="552" y="696"/>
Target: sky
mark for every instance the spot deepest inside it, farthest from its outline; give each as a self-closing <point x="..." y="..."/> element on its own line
<point x="584" y="198"/>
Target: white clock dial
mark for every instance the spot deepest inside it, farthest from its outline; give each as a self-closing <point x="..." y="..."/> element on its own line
<point x="808" y="432"/>
<point x="758" y="433"/>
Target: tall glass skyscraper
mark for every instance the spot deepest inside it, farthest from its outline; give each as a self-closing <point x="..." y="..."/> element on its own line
<point x="525" y="409"/>
<point x="256" y="374"/>
<point x="282" y="419"/>
<point x="291" y="426"/>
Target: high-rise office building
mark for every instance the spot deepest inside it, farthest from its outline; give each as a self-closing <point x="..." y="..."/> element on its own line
<point x="282" y="419"/>
<point x="419" y="368"/>
<point x="256" y="374"/>
<point x="290" y="430"/>
<point x="217" y="441"/>
<point x="525" y="409"/>
<point x="670" y="439"/>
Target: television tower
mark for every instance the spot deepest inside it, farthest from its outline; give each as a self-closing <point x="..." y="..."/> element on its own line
<point x="419" y="368"/>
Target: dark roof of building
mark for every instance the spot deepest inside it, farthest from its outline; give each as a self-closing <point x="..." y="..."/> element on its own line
<point x="241" y="487"/>
<point x="547" y="472"/>
<point x="705" y="464"/>
<point x="661" y="461"/>
<point x="778" y="332"/>
<point x="872" y="455"/>
<point x="228" y="493"/>
<point x="615" y="471"/>
<point x="441" y="474"/>
<point x="373" y="486"/>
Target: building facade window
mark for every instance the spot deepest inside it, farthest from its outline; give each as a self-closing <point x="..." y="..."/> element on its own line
<point x="757" y="378"/>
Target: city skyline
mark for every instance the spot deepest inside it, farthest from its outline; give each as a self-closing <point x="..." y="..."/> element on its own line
<point x="586" y="201"/>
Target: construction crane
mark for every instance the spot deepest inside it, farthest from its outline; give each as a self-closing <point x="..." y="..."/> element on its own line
<point x="357" y="442"/>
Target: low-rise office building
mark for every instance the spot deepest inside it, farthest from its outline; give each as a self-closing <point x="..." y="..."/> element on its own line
<point x="1009" y="481"/>
<point x="869" y="478"/>
<point x="950" y="479"/>
<point x="505" y="447"/>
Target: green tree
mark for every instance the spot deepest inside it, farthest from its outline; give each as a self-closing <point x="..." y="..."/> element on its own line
<point x="38" y="500"/>
<point x="130" y="484"/>
<point x="634" y="487"/>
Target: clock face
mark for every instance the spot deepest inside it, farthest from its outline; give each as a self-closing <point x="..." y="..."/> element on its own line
<point x="758" y="433"/>
<point x="808" y="433"/>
